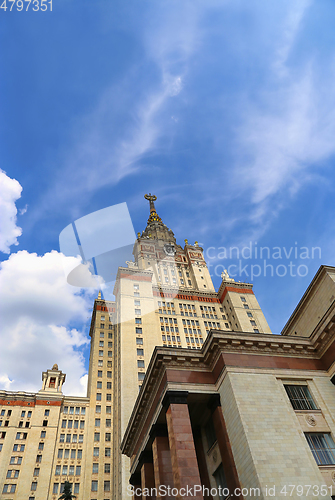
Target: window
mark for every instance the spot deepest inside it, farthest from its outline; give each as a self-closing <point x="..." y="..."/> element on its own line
<point x="139" y="341"/>
<point x="36" y="471"/>
<point x="71" y="470"/>
<point x="57" y="472"/>
<point x="98" y="409"/>
<point x="78" y="470"/>
<point x="79" y="454"/>
<point x="108" y="397"/>
<point x="64" y="471"/>
<point x="107" y="436"/>
<point x="23" y="414"/>
<point x="76" y="488"/>
<point x="100" y="362"/>
<point x="253" y="323"/>
<point x="140" y="375"/>
<point x="95" y="452"/>
<point x="68" y="438"/>
<point x="107" y="452"/>
<point x="65" y="409"/>
<point x="221" y="482"/>
<point x="107" y="486"/>
<point x="66" y="453"/>
<point x="140" y="363"/>
<point x="46" y="413"/>
<point x="99" y="385"/>
<point x="300" y="397"/>
<point x="55" y="488"/>
<point x="45" y="423"/>
<point x="109" y="385"/>
<point x="140" y="352"/>
<point x="137" y="302"/>
<point x="73" y="454"/>
<point x="107" y="468"/>
<point x="97" y="436"/>
<point x="41" y="446"/>
<point x="109" y="374"/>
<point x="322" y="447"/>
<point x="249" y="314"/>
<point x="138" y="321"/>
<point x="108" y="409"/>
<point x="97" y="422"/>
<point x="136" y="287"/>
<point x="138" y="311"/>
<point x="9" y="488"/>
<point x="71" y="410"/>
<point x="39" y="458"/>
<point x="33" y="486"/>
<point x="94" y="486"/>
<point x="62" y="438"/>
<point x="255" y="330"/>
<point x="108" y="422"/>
<point x="43" y="434"/>
<point x="110" y="354"/>
<point x="99" y="375"/>
<point x="98" y="396"/>
<point x="82" y="424"/>
<point x="243" y="299"/>
<point x="138" y="330"/>
<point x="60" y="453"/>
<point x="245" y="306"/>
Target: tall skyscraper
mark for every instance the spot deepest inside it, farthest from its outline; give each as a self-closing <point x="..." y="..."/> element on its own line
<point x="164" y="297"/>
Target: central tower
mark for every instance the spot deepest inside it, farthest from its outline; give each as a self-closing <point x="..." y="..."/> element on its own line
<point x="165" y="297"/>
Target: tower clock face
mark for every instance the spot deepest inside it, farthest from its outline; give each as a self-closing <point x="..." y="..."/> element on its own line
<point x="169" y="249"/>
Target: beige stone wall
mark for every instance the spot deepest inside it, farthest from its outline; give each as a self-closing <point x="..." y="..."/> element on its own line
<point x="267" y="440"/>
<point x="313" y="308"/>
<point x="237" y="314"/>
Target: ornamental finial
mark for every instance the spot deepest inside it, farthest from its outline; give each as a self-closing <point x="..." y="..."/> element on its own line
<point x="151" y="198"/>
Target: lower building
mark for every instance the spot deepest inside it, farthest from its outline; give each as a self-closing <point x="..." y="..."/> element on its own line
<point x="248" y="416"/>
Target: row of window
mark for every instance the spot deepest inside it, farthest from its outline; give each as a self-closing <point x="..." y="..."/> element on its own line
<point x="95" y="469"/>
<point x="98" y="422"/>
<point x="73" y="423"/>
<point x="98" y="409"/>
<point x="101" y="344"/>
<point x="94" y="486"/>
<point x="74" y="411"/>
<point x="97" y="436"/>
<point x="68" y="470"/>
<point x="76" y="438"/>
<point x="108" y="396"/>
<point x="108" y="385"/>
<point x="56" y="489"/>
<point x="102" y="335"/>
<point x="65" y="453"/>
<point x="109" y="374"/>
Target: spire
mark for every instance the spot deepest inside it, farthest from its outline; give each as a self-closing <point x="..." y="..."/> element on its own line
<point x="154" y="217"/>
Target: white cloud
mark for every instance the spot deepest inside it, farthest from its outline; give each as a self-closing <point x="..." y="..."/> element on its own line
<point x="10" y="191"/>
<point x="35" y="304"/>
<point x="290" y="30"/>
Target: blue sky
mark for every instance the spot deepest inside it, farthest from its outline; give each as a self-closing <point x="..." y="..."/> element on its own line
<point x="224" y="109"/>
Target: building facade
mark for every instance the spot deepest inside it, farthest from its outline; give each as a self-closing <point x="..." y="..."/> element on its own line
<point x="157" y="333"/>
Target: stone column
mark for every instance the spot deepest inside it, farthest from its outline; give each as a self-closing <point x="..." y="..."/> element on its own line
<point x="183" y="457"/>
<point x="222" y="437"/>
<point x="147" y="475"/>
<point x="161" y="459"/>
